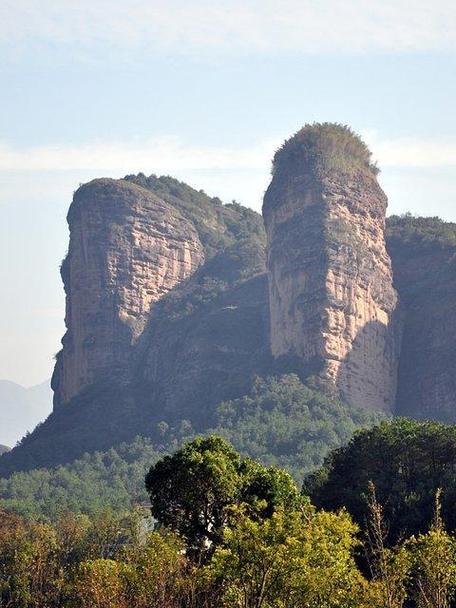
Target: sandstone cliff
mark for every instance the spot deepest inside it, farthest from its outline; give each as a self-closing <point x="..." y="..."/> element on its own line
<point x="127" y="249"/>
<point x="423" y="252"/>
<point x="332" y="301"/>
<point x="167" y="316"/>
<point x="171" y="309"/>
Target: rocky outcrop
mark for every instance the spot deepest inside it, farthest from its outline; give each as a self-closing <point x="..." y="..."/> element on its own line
<point x="171" y="310"/>
<point x="127" y="249"/>
<point x="332" y="301"/>
<point x="176" y="357"/>
<point x="423" y="252"/>
<point x="206" y="344"/>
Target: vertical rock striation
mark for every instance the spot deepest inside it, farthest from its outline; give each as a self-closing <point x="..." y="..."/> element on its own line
<point x="332" y="301"/>
<point x="127" y="249"/>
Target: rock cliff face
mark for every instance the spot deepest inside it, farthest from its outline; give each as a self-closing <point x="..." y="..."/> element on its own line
<point x="423" y="252"/>
<point x="167" y="316"/>
<point x="332" y="301"/>
<point x="204" y="346"/>
<point x="127" y="249"/>
<point x="172" y="307"/>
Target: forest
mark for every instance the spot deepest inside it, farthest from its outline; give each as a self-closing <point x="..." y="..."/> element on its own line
<point x="221" y="529"/>
<point x="280" y="422"/>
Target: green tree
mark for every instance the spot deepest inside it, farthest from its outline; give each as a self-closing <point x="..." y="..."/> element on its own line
<point x="435" y="564"/>
<point x="193" y="490"/>
<point x="297" y="559"/>
<point x="406" y="460"/>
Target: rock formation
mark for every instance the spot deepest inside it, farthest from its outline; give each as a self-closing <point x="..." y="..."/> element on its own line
<point x="332" y="301"/>
<point x="143" y="345"/>
<point x="170" y="309"/>
<point x="423" y="253"/>
<point x="127" y="249"/>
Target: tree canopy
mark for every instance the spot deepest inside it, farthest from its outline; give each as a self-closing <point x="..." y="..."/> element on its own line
<point x="407" y="461"/>
<point x="194" y="490"/>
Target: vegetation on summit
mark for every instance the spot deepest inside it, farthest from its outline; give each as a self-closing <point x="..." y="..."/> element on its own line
<point x="325" y="146"/>
<point x="219" y="226"/>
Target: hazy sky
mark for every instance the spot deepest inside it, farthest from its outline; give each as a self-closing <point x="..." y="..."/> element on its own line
<point x="205" y="91"/>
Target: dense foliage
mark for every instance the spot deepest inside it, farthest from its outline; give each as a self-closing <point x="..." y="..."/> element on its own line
<point x="407" y="461"/>
<point x="280" y="422"/>
<point x="407" y="229"/>
<point x="195" y="489"/>
<point x="325" y="147"/>
<point x="290" y="555"/>
<point x="89" y="485"/>
<point x="286" y="423"/>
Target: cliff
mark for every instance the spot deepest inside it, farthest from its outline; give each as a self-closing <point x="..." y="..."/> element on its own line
<point x="176" y="303"/>
<point x="167" y="316"/>
<point x="332" y="300"/>
<point x="127" y="249"/>
<point x="423" y="252"/>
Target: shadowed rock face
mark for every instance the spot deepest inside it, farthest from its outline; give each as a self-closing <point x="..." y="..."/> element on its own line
<point x="423" y="252"/>
<point x="127" y="249"/>
<point x="332" y="301"/>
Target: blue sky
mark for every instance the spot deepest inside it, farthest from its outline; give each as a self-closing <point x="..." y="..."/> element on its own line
<point x="204" y="91"/>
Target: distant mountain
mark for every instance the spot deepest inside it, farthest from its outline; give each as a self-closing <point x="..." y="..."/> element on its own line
<point x="21" y="409"/>
<point x="4" y="449"/>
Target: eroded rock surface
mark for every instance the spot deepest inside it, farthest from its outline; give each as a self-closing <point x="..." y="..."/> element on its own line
<point x="127" y="249"/>
<point x="332" y="301"/>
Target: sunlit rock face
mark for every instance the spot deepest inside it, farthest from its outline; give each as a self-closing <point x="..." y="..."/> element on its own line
<point x="128" y="248"/>
<point x="332" y="300"/>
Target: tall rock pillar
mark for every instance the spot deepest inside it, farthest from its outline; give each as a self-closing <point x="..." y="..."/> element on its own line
<point x="332" y="301"/>
<point x="127" y="249"/>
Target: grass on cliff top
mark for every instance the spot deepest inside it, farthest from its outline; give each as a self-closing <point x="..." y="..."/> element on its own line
<point x="218" y="225"/>
<point x="325" y="146"/>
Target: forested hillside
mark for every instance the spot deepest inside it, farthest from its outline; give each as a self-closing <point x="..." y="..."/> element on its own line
<point x="280" y="422"/>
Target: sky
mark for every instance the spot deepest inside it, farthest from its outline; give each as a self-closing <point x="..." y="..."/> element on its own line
<point x="204" y="91"/>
